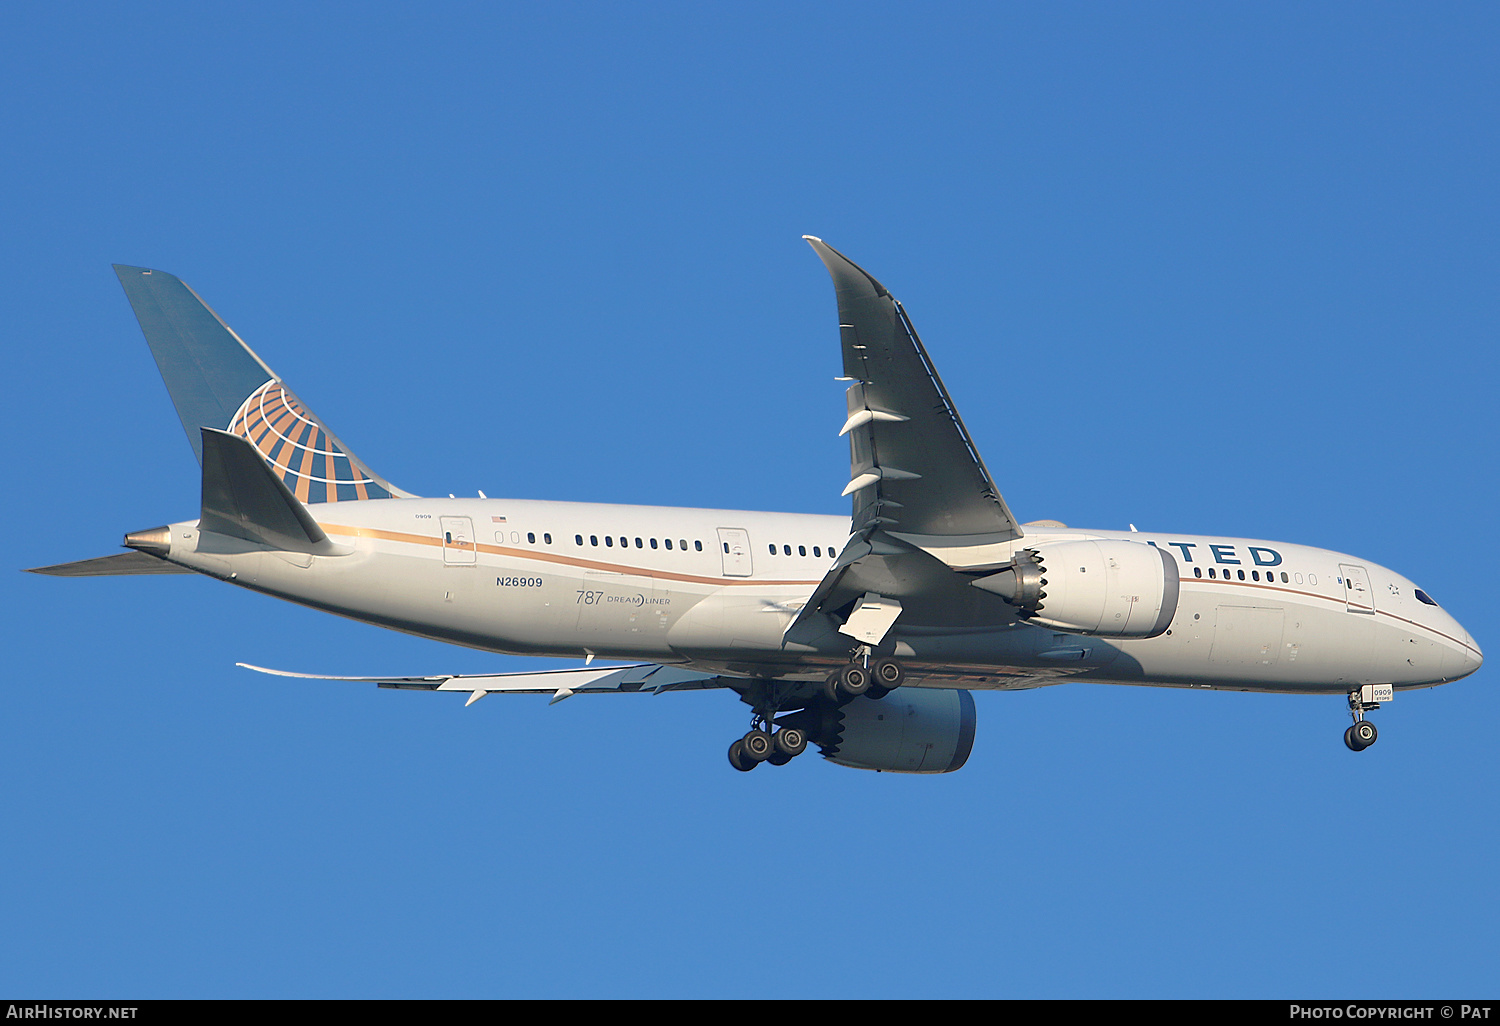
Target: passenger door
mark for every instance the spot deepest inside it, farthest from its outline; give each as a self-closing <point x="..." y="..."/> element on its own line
<point x="734" y="547"/>
<point x="1357" y="595"/>
<point x="458" y="541"/>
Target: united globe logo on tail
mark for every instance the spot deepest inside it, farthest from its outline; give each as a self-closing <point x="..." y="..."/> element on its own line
<point x="308" y="458"/>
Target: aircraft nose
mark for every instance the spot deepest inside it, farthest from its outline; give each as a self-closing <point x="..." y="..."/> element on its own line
<point x="1473" y="658"/>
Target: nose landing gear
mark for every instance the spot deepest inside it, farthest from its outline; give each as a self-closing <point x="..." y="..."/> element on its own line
<point x="1361" y="700"/>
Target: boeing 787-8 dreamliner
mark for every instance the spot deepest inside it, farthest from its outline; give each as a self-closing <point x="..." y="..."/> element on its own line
<point x="863" y="635"/>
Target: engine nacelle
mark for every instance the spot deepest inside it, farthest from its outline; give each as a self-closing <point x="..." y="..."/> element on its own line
<point x="1107" y="588"/>
<point x="910" y="730"/>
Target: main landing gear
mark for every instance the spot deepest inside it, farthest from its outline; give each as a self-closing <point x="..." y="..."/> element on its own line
<point x="864" y="675"/>
<point x="767" y="740"/>
<point x="1363" y="733"/>
<point x="760" y="746"/>
<point x="780" y="742"/>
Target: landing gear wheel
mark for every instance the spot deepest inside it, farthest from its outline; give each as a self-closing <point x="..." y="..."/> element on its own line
<point x="889" y="674"/>
<point x="1361" y="700"/>
<point x="876" y="692"/>
<point x="756" y="746"/>
<point x="831" y="687"/>
<point x="854" y="680"/>
<point x="779" y="759"/>
<point x="737" y="758"/>
<point x="790" y="742"/>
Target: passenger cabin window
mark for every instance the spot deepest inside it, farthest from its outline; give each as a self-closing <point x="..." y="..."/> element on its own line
<point x="697" y="545"/>
<point x="669" y="543"/>
<point x="653" y="543"/>
<point x="531" y="537"/>
<point x="547" y="538"/>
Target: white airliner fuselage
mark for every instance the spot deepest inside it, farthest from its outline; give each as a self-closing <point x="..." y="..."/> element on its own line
<point x="482" y="573"/>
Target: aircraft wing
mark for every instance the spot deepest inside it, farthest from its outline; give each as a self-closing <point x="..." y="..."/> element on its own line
<point x="918" y="483"/>
<point x="560" y="684"/>
<point x="912" y="466"/>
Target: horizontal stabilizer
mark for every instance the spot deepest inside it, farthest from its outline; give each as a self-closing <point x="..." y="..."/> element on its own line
<point x="243" y="498"/>
<point x="119" y="565"/>
<point x="648" y="677"/>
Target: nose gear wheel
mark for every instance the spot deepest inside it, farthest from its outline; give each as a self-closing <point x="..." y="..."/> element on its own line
<point x="1363" y="733"/>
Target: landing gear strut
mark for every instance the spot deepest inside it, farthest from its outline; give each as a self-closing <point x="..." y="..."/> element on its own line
<point x="1363" y="733"/>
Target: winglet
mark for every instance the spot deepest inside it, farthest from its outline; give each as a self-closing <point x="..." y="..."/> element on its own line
<point x="847" y="275"/>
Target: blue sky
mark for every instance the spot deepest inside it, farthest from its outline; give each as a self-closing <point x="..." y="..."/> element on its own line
<point x="1203" y="268"/>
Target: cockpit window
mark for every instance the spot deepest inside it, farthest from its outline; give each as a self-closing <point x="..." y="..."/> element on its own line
<point x="1422" y="596"/>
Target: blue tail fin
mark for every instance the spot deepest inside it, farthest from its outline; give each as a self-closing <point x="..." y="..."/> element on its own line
<point x="217" y="382"/>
